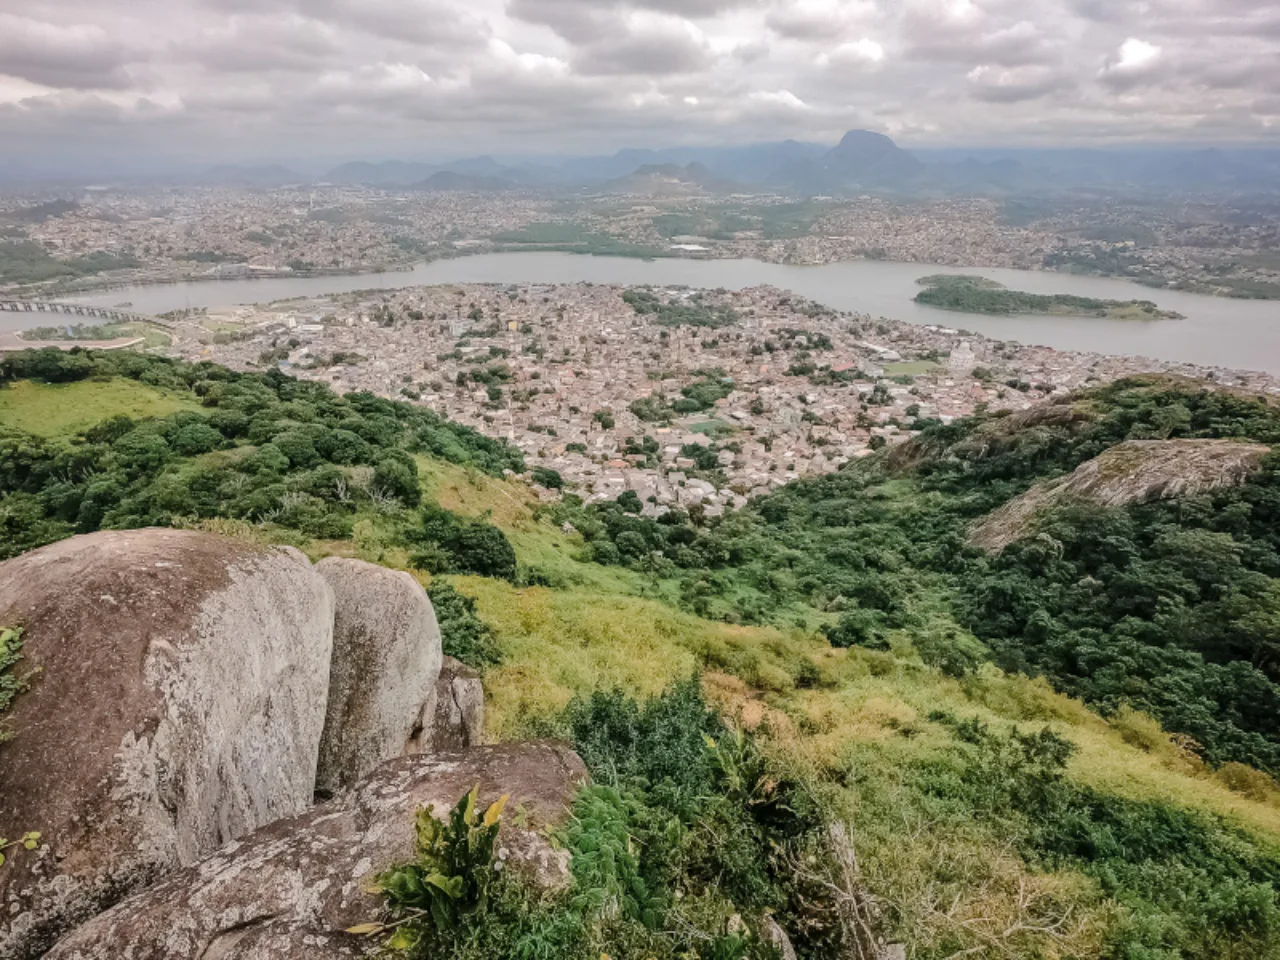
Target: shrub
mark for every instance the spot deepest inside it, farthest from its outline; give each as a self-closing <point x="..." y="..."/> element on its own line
<point x="436" y="898"/>
<point x="468" y="546"/>
<point x="463" y="634"/>
<point x="548" y="478"/>
<point x="857" y="628"/>
<point x="396" y="478"/>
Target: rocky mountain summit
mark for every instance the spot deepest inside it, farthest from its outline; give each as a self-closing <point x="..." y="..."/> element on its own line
<point x="1136" y="471"/>
<point x="187" y="690"/>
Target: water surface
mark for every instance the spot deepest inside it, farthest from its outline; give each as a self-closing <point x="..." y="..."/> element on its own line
<point x="1242" y="334"/>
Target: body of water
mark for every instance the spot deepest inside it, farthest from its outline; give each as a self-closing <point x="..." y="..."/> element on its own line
<point x="1243" y="334"/>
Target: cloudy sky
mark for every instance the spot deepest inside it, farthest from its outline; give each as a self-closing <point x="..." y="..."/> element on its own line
<point x="259" y="79"/>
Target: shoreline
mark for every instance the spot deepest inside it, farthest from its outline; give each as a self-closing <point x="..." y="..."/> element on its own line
<point x="29" y="292"/>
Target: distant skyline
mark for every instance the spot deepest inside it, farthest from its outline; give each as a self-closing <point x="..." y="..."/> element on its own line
<point x="149" y="83"/>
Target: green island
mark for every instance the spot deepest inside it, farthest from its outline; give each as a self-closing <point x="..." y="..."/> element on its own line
<point x="830" y="700"/>
<point x="967" y="293"/>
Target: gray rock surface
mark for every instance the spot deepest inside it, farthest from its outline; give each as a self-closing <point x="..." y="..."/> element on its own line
<point x="455" y="718"/>
<point x="287" y="891"/>
<point x="1135" y="471"/>
<point x="386" y="658"/>
<point x="773" y="934"/>
<point x="177" y="703"/>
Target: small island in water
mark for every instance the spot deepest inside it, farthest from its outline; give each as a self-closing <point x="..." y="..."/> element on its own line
<point x="971" y="294"/>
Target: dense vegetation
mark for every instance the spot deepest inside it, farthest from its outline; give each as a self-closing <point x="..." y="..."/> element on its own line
<point x="989" y="813"/>
<point x="683" y="846"/>
<point x="972" y="294"/>
<point x="1170" y="607"/>
<point x="698" y="396"/>
<point x="692" y="311"/>
<point x="25" y="261"/>
<point x="263" y="447"/>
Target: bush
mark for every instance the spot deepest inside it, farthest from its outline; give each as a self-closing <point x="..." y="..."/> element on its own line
<point x="546" y="477"/>
<point x="396" y="478"/>
<point x="858" y="628"/>
<point x="463" y="634"/>
<point x="469" y="546"/>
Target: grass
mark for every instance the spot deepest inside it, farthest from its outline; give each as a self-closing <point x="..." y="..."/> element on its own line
<point x="949" y="882"/>
<point x="911" y="368"/>
<point x="62" y="409"/>
<point x="859" y="719"/>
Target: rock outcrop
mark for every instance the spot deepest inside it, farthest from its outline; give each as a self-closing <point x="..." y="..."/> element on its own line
<point x="176" y="703"/>
<point x="386" y="660"/>
<point x="1136" y="471"/>
<point x="288" y="890"/>
<point x="456" y="714"/>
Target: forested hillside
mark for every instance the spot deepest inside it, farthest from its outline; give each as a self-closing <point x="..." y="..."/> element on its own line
<point x="1169" y="606"/>
<point x="868" y="663"/>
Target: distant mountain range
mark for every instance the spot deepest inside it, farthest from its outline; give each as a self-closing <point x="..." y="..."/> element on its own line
<point x="862" y="162"/>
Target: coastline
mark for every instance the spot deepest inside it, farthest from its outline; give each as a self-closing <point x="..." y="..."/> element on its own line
<point x="92" y="287"/>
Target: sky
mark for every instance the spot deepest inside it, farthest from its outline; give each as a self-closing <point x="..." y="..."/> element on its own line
<point x="144" y="81"/>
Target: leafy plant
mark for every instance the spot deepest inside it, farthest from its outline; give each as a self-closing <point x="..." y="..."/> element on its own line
<point x="446" y="886"/>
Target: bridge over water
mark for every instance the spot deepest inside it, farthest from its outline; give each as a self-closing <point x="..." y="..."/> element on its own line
<point x="113" y="314"/>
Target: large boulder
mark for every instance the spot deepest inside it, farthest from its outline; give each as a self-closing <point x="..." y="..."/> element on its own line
<point x="176" y="701"/>
<point x="1135" y="471"/>
<point x="386" y="659"/>
<point x="455" y="716"/>
<point x="288" y="891"/>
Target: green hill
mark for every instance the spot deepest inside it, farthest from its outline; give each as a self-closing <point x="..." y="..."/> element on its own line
<point x="1063" y="749"/>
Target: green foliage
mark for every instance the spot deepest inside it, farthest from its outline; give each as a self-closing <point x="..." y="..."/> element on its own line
<point x="444" y="891"/>
<point x="1188" y="885"/>
<point x="10" y="683"/>
<point x="546" y="477"/>
<point x="463" y="634"/>
<point x="651" y="409"/>
<point x="692" y="311"/>
<point x="453" y="544"/>
<point x="267" y="449"/>
<point x="25" y="261"/>
<point x="678" y="833"/>
<point x="972" y="294"/>
<point x="10" y="686"/>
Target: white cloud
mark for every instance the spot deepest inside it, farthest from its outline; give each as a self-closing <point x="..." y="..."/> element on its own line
<point x="859" y="51"/>
<point x="1135" y="54"/>
<point x="288" y="77"/>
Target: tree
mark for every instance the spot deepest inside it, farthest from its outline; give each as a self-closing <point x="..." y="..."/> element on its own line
<point x="394" y="478"/>
<point x="629" y="501"/>
<point x="545" y="477"/>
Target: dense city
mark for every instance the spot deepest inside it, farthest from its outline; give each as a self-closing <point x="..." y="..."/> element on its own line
<point x="684" y="397"/>
<point x="98" y="237"/>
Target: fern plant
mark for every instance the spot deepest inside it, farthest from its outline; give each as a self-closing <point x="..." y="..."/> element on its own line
<point x="447" y="882"/>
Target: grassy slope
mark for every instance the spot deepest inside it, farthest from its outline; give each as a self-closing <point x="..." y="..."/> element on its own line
<point x="858" y="716"/>
<point x="59" y="409"/>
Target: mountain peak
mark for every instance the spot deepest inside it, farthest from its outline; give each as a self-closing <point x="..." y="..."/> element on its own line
<point x="865" y="138"/>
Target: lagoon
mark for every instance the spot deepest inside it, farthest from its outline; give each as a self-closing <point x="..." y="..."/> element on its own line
<point x="1240" y="334"/>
